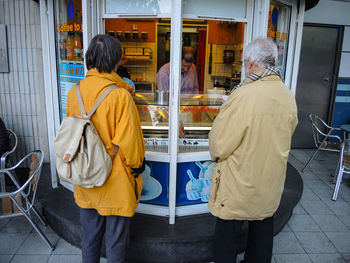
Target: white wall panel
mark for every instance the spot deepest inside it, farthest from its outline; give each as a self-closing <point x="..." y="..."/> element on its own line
<point x="344" y="70"/>
<point x="329" y="12"/>
<point x="346" y="39"/>
<point x="22" y="91"/>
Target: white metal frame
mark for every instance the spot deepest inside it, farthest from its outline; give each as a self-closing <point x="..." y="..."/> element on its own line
<point x="50" y="79"/>
<point x="299" y="35"/>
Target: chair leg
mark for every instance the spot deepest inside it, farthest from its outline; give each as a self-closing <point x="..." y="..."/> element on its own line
<point x="39" y="216"/>
<point x="336" y="172"/>
<point x="41" y="234"/>
<point x="312" y="157"/>
<point x="337" y="185"/>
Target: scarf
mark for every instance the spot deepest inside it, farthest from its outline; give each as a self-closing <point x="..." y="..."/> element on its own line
<point x="268" y="71"/>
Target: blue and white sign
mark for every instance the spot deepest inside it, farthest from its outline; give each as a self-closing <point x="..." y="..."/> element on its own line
<point x="193" y="182"/>
<point x="274" y="16"/>
<point x="155" y="179"/>
<point x="69" y="75"/>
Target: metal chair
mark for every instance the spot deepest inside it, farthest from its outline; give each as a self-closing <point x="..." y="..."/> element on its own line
<point x="13" y="142"/>
<point x="321" y="139"/>
<point x="343" y="166"/>
<point x="4" y="157"/>
<point x="26" y="193"/>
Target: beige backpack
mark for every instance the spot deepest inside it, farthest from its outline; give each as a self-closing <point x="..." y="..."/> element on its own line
<point x="81" y="157"/>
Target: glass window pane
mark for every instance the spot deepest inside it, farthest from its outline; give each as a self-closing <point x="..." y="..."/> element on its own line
<point x="69" y="48"/>
<point x="211" y="67"/>
<point x="219" y="8"/>
<point x="138" y="6"/>
<point x="146" y="47"/>
<point x="278" y="30"/>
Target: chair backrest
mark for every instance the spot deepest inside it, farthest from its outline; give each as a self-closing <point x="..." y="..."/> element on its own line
<point x="318" y="126"/>
<point x="13" y="145"/>
<point x="345" y="152"/>
<point x="29" y="188"/>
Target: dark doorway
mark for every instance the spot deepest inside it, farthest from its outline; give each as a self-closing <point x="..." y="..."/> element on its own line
<point x="318" y="70"/>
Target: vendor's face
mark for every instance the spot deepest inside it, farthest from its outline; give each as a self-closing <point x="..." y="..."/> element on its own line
<point x="185" y="66"/>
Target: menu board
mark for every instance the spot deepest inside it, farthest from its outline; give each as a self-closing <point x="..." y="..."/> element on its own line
<point x="69" y="75"/>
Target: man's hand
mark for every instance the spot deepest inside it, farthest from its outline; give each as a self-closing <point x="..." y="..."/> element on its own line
<point x="181" y="131"/>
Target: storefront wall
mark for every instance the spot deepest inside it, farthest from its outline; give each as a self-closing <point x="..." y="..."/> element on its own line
<point x="178" y="176"/>
<point x="337" y="13"/>
<point x="22" y="92"/>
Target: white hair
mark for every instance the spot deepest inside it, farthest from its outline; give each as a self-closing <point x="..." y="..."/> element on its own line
<point x="262" y="52"/>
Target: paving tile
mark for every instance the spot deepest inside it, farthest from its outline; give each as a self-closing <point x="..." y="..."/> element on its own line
<point x="35" y="245"/>
<point x="303" y="223"/>
<point x="315" y="242"/>
<point x="309" y="175"/>
<point x="18" y="225"/>
<point x="5" y="258"/>
<point x="299" y="210"/>
<point x="286" y="228"/>
<point x="292" y="258"/>
<point x="309" y="195"/>
<point x="316" y="207"/>
<point x="10" y="242"/>
<point x="341" y="240"/>
<point x="286" y="242"/>
<point x="316" y="184"/>
<point x="339" y="207"/>
<point x="326" y="258"/>
<point x="345" y="220"/>
<point x="104" y="260"/>
<point x="30" y="259"/>
<point x="346" y="257"/>
<point x="344" y="193"/>
<point x="65" y="259"/>
<point x="64" y="248"/>
<point x="329" y="223"/>
<point x="296" y="163"/>
<point x="325" y="193"/>
<point x="3" y="223"/>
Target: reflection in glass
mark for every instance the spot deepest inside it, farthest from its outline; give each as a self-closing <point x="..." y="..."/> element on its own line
<point x="278" y="30"/>
<point x="217" y="59"/>
<point x="69" y="48"/>
<point x="138" y="6"/>
<point x="146" y="47"/>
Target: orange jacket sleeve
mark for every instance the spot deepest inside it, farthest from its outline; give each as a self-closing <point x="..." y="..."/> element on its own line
<point x="128" y="134"/>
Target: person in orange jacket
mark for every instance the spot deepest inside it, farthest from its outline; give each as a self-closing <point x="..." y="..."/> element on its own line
<point x="107" y="210"/>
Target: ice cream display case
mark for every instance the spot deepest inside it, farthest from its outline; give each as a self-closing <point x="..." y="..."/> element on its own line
<point x="196" y="115"/>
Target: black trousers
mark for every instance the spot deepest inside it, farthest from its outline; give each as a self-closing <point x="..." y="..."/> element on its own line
<point x="259" y="246"/>
<point x="116" y="232"/>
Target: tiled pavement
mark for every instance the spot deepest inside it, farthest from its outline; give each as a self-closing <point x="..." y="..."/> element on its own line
<point x="318" y="232"/>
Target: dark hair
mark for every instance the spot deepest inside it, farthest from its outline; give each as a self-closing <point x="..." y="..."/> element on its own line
<point x="104" y="53"/>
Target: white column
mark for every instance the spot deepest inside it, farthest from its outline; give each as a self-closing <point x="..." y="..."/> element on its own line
<point x="50" y="80"/>
<point x="175" y="83"/>
<point x="298" y="46"/>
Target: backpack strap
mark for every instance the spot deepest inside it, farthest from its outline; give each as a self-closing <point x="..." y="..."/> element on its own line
<point x="100" y="99"/>
<point x="97" y="103"/>
<point x="80" y="100"/>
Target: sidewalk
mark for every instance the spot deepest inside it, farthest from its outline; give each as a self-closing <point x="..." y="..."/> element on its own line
<point x="318" y="232"/>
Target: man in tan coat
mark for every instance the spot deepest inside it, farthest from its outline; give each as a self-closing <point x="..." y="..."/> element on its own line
<point x="250" y="141"/>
